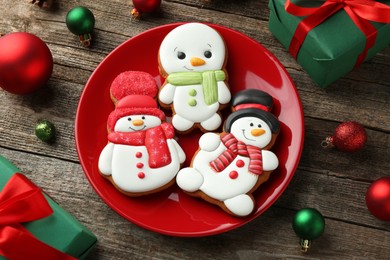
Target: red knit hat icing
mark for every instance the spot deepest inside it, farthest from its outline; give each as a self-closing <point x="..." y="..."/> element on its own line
<point x="133" y="83"/>
<point x="134" y="105"/>
<point x="134" y="93"/>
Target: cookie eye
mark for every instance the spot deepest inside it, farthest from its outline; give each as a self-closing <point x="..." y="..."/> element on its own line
<point x="143" y="117"/>
<point x="181" y="55"/>
<point x="259" y="126"/>
<point x="208" y="54"/>
<point x="251" y="124"/>
<point x="129" y="118"/>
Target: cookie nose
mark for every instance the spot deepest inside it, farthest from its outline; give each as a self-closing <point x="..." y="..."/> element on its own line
<point x="257" y="132"/>
<point x="195" y="61"/>
<point x="138" y="122"/>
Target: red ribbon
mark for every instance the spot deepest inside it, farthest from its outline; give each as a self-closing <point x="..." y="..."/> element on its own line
<point x="360" y="11"/>
<point x="21" y="201"/>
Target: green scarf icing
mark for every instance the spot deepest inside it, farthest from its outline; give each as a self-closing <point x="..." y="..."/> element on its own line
<point x="208" y="79"/>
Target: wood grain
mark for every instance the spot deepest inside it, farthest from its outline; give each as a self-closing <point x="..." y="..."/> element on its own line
<point x="327" y="179"/>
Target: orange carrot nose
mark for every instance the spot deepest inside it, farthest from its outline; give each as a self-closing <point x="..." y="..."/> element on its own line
<point x="138" y="122"/>
<point x="197" y="61"/>
<point x="257" y="132"/>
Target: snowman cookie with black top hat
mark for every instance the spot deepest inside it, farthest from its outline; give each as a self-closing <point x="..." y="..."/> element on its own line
<point x="142" y="155"/>
<point x="229" y="167"/>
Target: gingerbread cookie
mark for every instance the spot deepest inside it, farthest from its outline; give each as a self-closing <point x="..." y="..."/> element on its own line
<point x="141" y="156"/>
<point x="230" y="166"/>
<point x="192" y="58"/>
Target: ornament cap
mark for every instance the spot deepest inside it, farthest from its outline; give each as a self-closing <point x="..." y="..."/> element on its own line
<point x="86" y="39"/>
<point x="135" y="14"/>
<point x="305" y="244"/>
<point x="328" y="142"/>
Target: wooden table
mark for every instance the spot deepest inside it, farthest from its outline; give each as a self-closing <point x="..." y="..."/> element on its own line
<point x="331" y="181"/>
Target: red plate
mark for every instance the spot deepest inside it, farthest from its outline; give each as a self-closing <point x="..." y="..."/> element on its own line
<point x="172" y="212"/>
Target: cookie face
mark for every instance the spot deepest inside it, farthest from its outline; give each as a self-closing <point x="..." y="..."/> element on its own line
<point x="228" y="167"/>
<point x="136" y="123"/>
<point x="142" y="156"/>
<point x="252" y="131"/>
<point x="192" y="47"/>
<point x="192" y="58"/>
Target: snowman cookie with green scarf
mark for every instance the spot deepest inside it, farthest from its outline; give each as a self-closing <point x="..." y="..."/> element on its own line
<point x="192" y="59"/>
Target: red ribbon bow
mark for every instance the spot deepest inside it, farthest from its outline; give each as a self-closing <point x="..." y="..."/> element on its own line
<point x="21" y="201"/>
<point x="360" y="11"/>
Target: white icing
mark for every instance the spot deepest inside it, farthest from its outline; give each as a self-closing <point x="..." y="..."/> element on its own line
<point x="180" y="123"/>
<point x="209" y="142"/>
<point x="120" y="160"/>
<point x="242" y="129"/>
<point x="198" y="113"/>
<point x="179" y="150"/>
<point x="167" y="93"/>
<point x="224" y="94"/>
<point x="135" y="123"/>
<point x="193" y="39"/>
<point x="270" y="161"/>
<point x="212" y="123"/>
<point x="241" y="205"/>
<point x="189" y="179"/>
<point x="219" y="185"/>
<point x="125" y="172"/>
<point x="105" y="159"/>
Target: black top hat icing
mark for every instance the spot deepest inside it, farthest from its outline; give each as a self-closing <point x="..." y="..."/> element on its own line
<point x="251" y="98"/>
<point x="256" y="103"/>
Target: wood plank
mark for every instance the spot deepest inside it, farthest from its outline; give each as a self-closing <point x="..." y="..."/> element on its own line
<point x="330" y="180"/>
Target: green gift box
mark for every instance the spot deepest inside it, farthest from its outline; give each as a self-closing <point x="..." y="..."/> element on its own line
<point x="330" y="50"/>
<point x="60" y="230"/>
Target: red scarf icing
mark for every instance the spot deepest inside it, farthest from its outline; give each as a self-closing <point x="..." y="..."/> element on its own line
<point x="155" y="140"/>
<point x="234" y="148"/>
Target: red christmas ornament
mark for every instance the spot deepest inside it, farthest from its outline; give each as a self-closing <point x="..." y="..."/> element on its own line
<point x="347" y="137"/>
<point x="26" y="63"/>
<point x="378" y="198"/>
<point x="145" y="6"/>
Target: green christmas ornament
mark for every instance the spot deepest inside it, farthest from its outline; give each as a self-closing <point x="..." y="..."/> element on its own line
<point x="308" y="224"/>
<point x="45" y="130"/>
<point x="80" y="21"/>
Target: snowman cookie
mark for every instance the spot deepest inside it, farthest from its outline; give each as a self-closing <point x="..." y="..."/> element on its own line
<point x="229" y="167"/>
<point x="141" y="156"/>
<point x="192" y="59"/>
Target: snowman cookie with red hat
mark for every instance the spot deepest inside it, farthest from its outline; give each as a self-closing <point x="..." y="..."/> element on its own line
<point x="141" y="156"/>
<point x="229" y="167"/>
